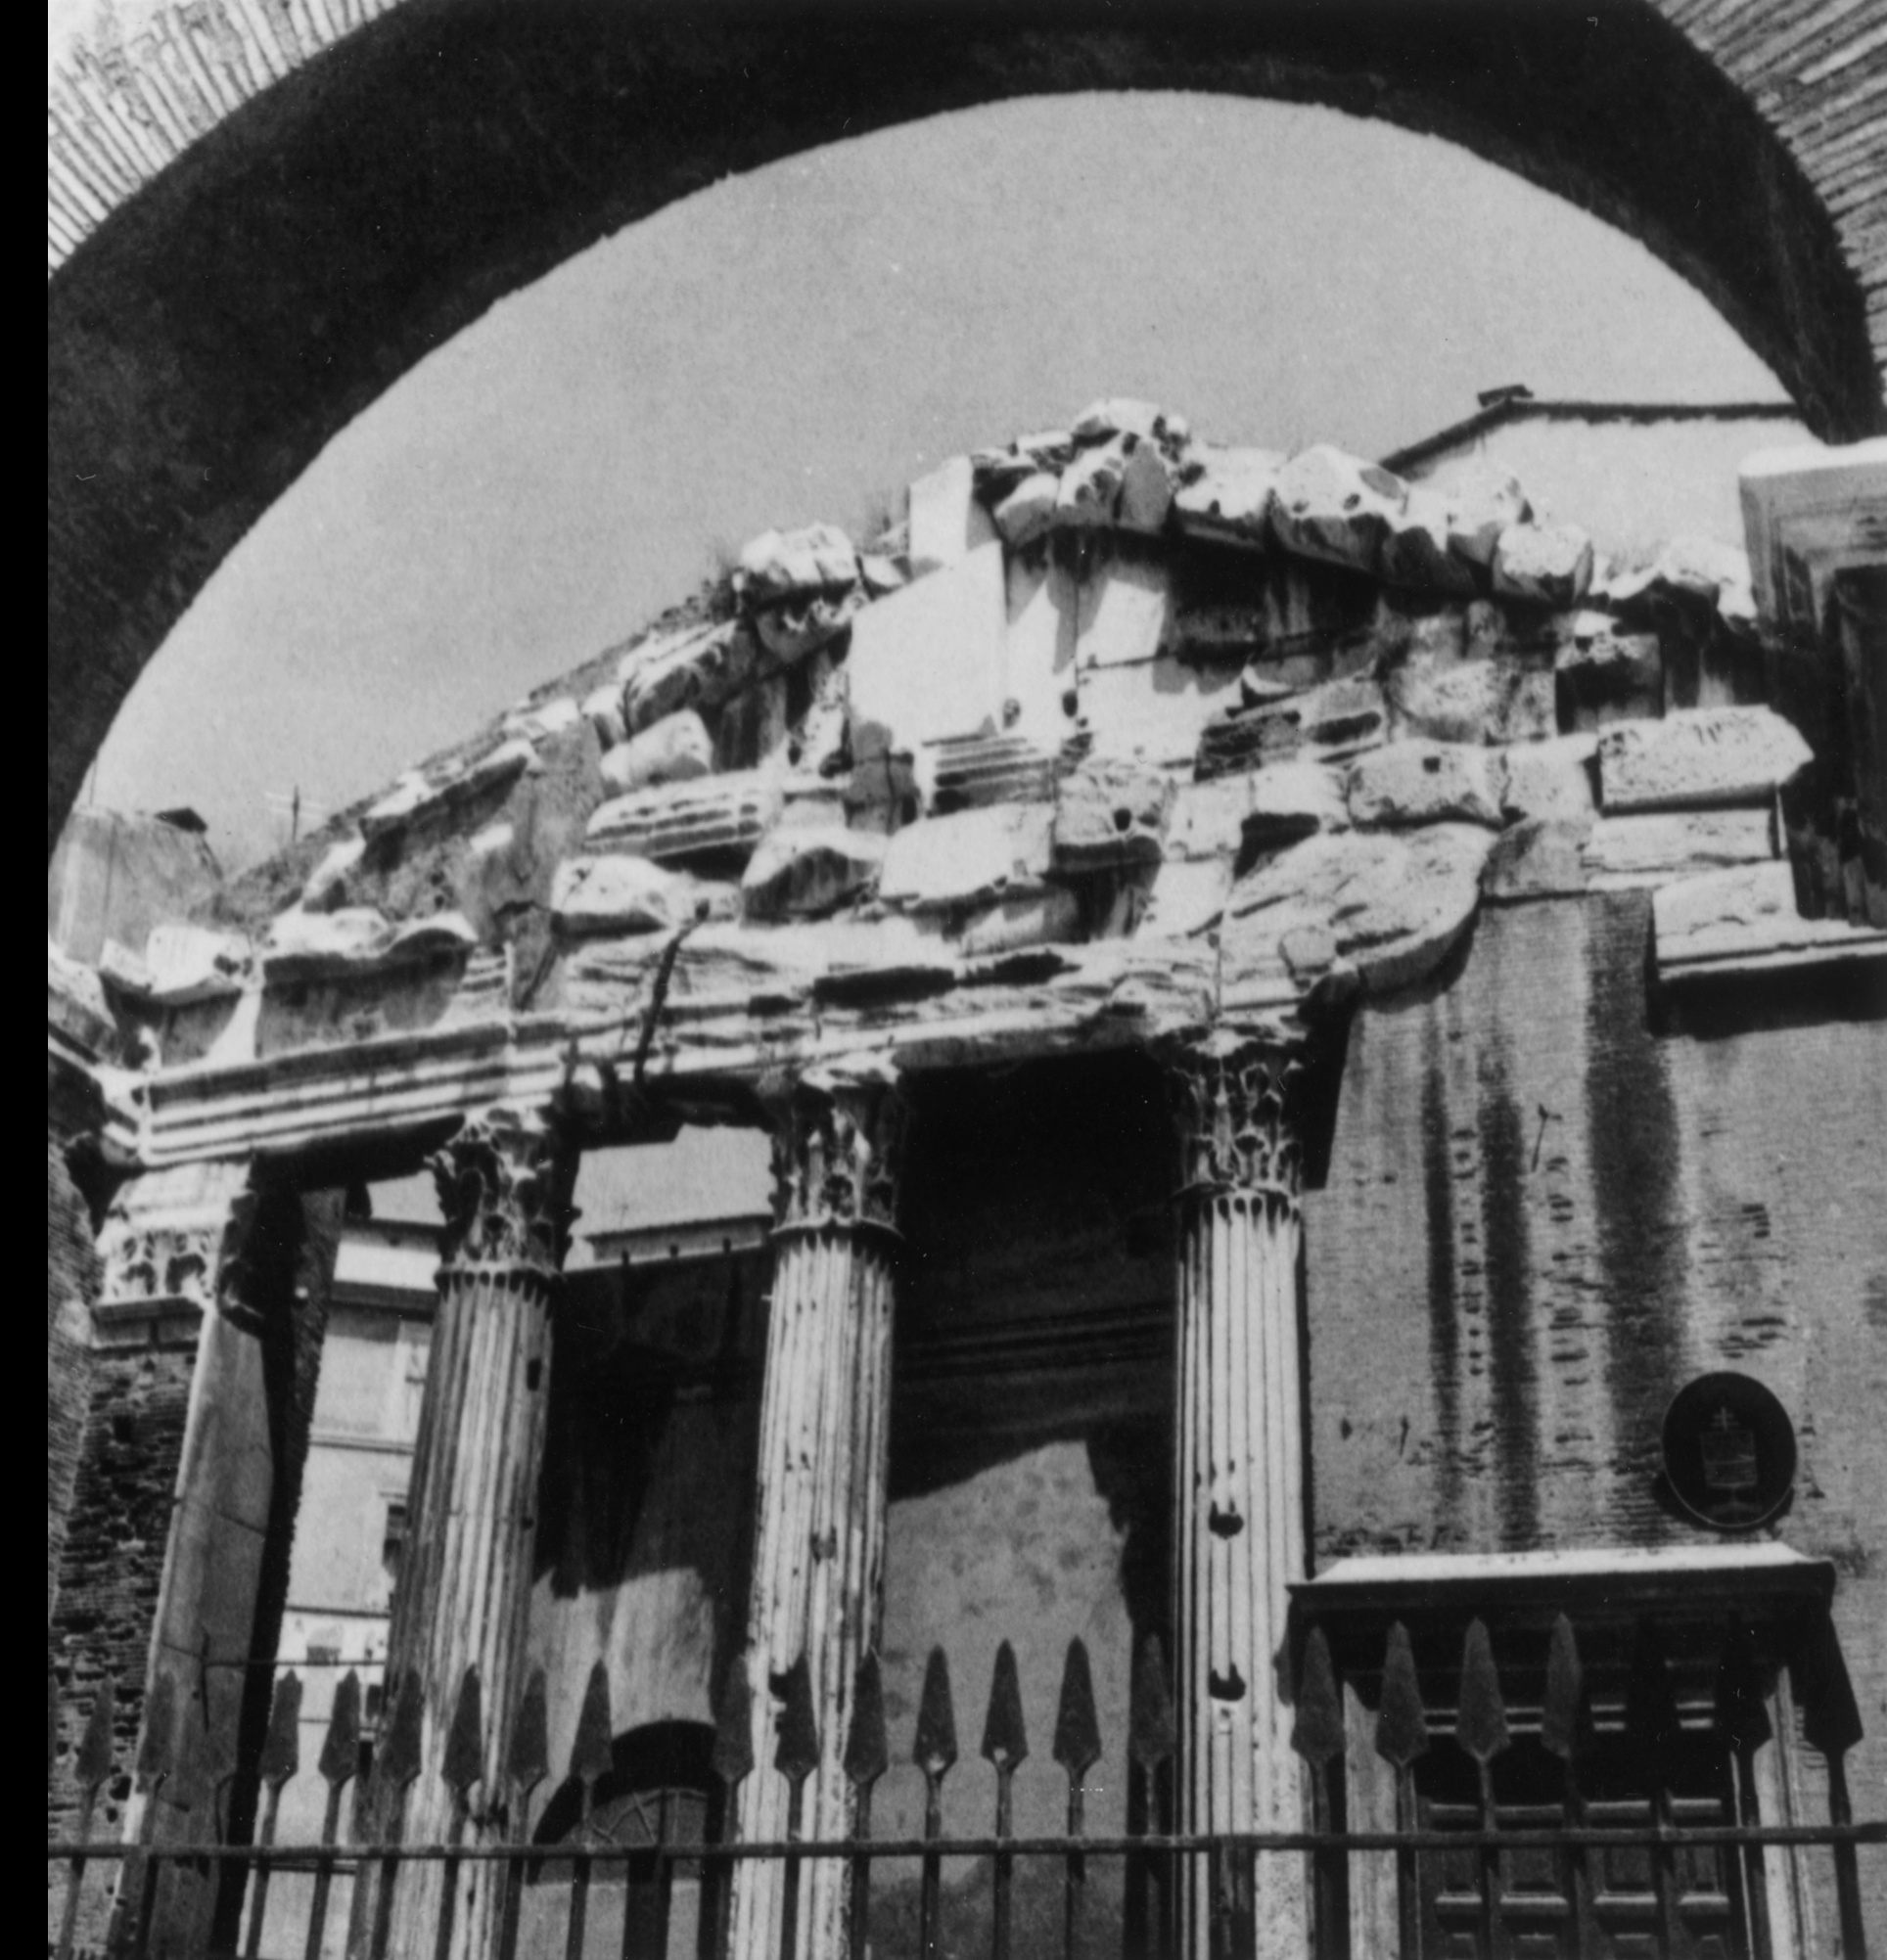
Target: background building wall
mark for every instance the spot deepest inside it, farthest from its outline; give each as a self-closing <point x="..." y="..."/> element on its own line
<point x="1543" y="1216"/>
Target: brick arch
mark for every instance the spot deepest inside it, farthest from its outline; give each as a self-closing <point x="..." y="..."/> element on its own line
<point x="254" y="234"/>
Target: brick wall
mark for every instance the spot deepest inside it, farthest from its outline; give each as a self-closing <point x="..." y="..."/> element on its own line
<point x="71" y="1286"/>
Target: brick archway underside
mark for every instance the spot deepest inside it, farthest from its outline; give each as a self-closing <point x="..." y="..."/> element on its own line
<point x="229" y="316"/>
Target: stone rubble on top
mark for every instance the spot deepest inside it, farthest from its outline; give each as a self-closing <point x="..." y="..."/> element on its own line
<point x="1108" y="683"/>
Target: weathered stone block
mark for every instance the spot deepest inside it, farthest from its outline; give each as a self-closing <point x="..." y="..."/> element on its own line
<point x="928" y="661"/>
<point x="1698" y="757"/>
<point x="1146" y="492"/>
<point x="1415" y="550"/>
<point x="804" y="871"/>
<point x="1746" y="919"/>
<point x="618" y="894"/>
<point x="1482" y="500"/>
<point x="1292" y="800"/>
<point x="1389" y="906"/>
<point x="1625" y="851"/>
<point x="1538" y="857"/>
<point x="699" y="667"/>
<point x="969" y="858"/>
<point x="1207" y="819"/>
<point x="1188" y="895"/>
<point x="417" y="798"/>
<point x="780" y="565"/>
<point x="1145" y="421"/>
<point x="1427" y="782"/>
<point x="1336" y="508"/>
<point x="541" y="723"/>
<point x="1110" y="812"/>
<point x="1551" y="564"/>
<point x="1048" y="918"/>
<point x="1155" y="711"/>
<point x="603" y="709"/>
<point x="298" y="940"/>
<point x="673" y="750"/>
<point x="1043" y="603"/>
<point x="1490" y="701"/>
<point x="1090" y="487"/>
<point x="1228" y="495"/>
<point x="709" y="818"/>
<point x="330" y="881"/>
<point x="1552" y="779"/>
<point x="1604" y="674"/>
<point x="977" y="769"/>
<point x="1027" y="511"/>
<point x="789" y="633"/>
<point x="192" y="963"/>
<point x="1337" y="718"/>
<point x="1123" y="606"/>
<point x="946" y="522"/>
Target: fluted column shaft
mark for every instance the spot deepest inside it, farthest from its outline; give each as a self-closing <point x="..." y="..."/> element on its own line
<point x="463" y="1595"/>
<point x="819" y="1543"/>
<point x="1239" y="1485"/>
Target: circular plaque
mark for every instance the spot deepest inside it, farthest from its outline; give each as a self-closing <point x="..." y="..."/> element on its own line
<point x="1728" y="1451"/>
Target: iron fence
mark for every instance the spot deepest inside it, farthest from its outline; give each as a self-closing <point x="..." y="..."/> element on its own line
<point x="1156" y="1860"/>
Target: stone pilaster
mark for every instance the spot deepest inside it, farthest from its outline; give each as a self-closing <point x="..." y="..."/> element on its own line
<point x="1239" y="1485"/>
<point x="464" y="1589"/>
<point x="175" y="1293"/>
<point x="819" y="1543"/>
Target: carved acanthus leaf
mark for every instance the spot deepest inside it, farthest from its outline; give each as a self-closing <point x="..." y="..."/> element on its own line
<point x="838" y="1153"/>
<point x="501" y="1194"/>
<point x="1237" y="1100"/>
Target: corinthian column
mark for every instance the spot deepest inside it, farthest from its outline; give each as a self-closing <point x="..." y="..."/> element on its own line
<point x="464" y="1586"/>
<point x="819" y="1544"/>
<point x="1240" y="1481"/>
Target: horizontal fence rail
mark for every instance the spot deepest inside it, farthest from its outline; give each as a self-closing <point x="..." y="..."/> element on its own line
<point x="1562" y="1720"/>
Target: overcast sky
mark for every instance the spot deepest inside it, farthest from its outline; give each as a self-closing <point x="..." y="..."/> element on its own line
<point x="795" y="344"/>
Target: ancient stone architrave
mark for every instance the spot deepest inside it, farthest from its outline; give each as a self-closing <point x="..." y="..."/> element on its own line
<point x="1239" y="1482"/>
<point x="170" y="1249"/>
<point x="817" y="1592"/>
<point x="464" y="1589"/>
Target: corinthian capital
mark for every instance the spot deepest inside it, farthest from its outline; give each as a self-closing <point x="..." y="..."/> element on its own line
<point x="501" y="1189"/>
<point x="838" y="1152"/>
<point x="1236" y="1097"/>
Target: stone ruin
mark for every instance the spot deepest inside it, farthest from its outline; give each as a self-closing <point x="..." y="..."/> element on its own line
<point x="1119" y="726"/>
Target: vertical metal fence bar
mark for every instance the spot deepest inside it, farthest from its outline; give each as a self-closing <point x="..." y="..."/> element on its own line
<point x="138" y="1875"/>
<point x="281" y="1759"/>
<point x="1565" y="1727"/>
<point x="1077" y="1747"/>
<point x="590" y="1760"/>
<point x="1847" y="1869"/>
<point x="1481" y="1728"/>
<point x="866" y="1759"/>
<point x="732" y="1762"/>
<point x="1742" y="1728"/>
<point x="1402" y="1735"/>
<point x="398" y="1764"/>
<point x="1317" y="1736"/>
<point x="1653" y="1729"/>
<point x="796" y="1758"/>
<point x="527" y="1766"/>
<point x="1152" y="1738"/>
<point x="463" y="1766"/>
<point x="339" y="1765"/>
<point x="1005" y="1745"/>
<point x="933" y="1752"/>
